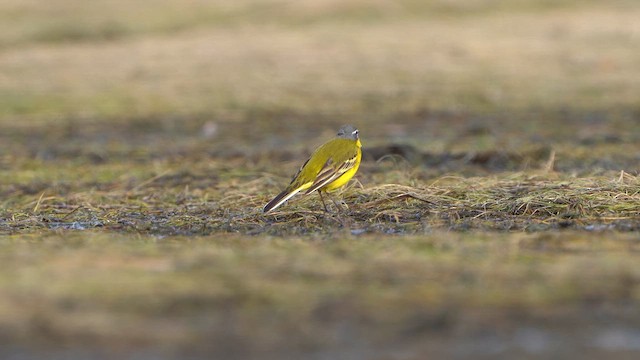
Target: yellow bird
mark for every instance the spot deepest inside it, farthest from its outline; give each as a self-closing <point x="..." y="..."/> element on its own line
<point x="330" y="166"/>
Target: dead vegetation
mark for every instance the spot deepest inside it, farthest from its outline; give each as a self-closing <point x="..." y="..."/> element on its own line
<point x="173" y="203"/>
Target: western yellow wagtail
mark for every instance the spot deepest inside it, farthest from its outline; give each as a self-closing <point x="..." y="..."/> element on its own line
<point x="330" y="166"/>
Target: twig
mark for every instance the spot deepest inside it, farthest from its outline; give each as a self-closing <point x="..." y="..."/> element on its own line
<point x="400" y="197"/>
<point x="70" y="212"/>
<point x="551" y="162"/>
<point x="149" y="181"/>
<point x="35" y="208"/>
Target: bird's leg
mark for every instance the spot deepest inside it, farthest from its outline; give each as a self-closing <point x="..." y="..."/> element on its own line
<point x="323" y="203"/>
<point x="340" y="205"/>
<point x="345" y="221"/>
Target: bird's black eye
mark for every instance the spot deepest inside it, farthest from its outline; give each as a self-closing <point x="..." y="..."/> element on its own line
<point x="355" y="132"/>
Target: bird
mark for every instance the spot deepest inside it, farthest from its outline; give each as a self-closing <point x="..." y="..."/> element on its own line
<point x="329" y="167"/>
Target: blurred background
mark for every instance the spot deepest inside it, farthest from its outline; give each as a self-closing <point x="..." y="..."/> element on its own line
<point x="268" y="71"/>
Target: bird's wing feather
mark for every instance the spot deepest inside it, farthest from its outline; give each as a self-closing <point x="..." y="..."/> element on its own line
<point x="329" y="173"/>
<point x="295" y="177"/>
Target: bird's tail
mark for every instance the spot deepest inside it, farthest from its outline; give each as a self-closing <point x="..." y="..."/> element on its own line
<point x="280" y="199"/>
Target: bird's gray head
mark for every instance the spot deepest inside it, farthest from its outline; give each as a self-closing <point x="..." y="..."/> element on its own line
<point x="348" y="132"/>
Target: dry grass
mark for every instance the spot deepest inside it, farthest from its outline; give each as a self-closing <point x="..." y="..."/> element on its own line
<point x="165" y="201"/>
